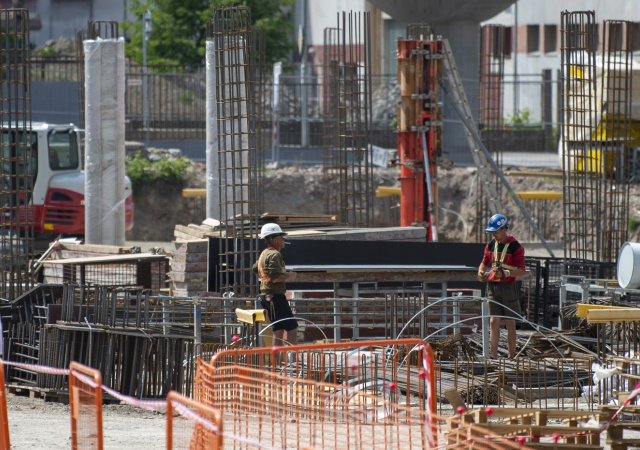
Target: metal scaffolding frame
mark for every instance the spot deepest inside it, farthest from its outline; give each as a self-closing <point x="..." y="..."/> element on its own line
<point x="235" y="66"/>
<point x="17" y="163"/>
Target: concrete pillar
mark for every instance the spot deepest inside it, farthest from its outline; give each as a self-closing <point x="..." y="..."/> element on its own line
<point x="104" y="148"/>
<point x="464" y="38"/>
<point x="213" y="164"/>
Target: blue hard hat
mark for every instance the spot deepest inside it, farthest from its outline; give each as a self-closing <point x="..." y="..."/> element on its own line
<point x="497" y="222"/>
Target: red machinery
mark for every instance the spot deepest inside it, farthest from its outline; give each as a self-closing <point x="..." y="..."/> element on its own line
<point x="419" y="131"/>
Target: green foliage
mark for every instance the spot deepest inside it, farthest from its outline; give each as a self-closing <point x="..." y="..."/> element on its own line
<point x="141" y="170"/>
<point x="178" y="33"/>
<point x="520" y="118"/>
<point x="634" y="223"/>
<point x="48" y="52"/>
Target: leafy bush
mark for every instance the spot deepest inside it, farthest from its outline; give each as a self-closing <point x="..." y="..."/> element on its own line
<point x="142" y="171"/>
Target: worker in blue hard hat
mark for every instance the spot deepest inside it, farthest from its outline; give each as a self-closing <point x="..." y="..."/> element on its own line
<point x="502" y="262"/>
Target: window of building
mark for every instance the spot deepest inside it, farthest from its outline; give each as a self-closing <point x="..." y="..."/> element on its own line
<point x="634" y="36"/>
<point x="533" y="38"/>
<point x="550" y="38"/>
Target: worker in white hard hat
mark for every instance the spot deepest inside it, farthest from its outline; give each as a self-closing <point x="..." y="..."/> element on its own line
<point x="271" y="271"/>
<point x="502" y="262"/>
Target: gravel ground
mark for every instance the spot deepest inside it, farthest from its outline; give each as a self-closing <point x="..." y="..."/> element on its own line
<point x="36" y="424"/>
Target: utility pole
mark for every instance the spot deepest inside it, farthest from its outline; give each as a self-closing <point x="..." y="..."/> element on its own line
<point x="146" y="34"/>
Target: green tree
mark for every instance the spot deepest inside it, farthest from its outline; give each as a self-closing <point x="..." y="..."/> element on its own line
<point x="179" y="29"/>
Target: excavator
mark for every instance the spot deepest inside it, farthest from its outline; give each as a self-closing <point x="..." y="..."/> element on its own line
<point x="49" y="181"/>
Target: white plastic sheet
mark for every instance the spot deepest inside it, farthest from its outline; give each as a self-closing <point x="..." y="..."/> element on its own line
<point x="104" y="147"/>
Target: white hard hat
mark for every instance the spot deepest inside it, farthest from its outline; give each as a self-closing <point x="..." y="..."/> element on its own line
<point x="271" y="229"/>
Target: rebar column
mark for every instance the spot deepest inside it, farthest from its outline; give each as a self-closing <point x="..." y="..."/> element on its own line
<point x="613" y="135"/>
<point x="596" y="130"/>
<point x="330" y="155"/>
<point x="17" y="164"/>
<point x="580" y="184"/>
<point x="231" y="141"/>
<point x="355" y="172"/>
<point x="492" y="51"/>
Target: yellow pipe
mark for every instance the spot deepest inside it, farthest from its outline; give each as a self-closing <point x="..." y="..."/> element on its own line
<point x="387" y="191"/>
<point x="540" y="195"/>
<point x="194" y="192"/>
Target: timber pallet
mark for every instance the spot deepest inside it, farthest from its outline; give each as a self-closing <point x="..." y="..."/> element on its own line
<point x="48" y="395"/>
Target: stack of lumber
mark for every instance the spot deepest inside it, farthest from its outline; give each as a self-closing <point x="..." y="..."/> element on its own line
<point x="71" y="249"/>
<point x="537" y="428"/>
<point x="189" y="268"/>
<point x="208" y="228"/>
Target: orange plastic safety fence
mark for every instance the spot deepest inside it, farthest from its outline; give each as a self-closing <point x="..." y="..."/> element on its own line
<point x="5" y="441"/>
<point x="192" y="425"/>
<point x="264" y="409"/>
<point x="85" y="400"/>
<point x="401" y="362"/>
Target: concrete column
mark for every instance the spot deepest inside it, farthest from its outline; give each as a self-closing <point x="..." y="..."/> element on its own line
<point x="464" y="38"/>
<point x="104" y="149"/>
<point x="213" y="164"/>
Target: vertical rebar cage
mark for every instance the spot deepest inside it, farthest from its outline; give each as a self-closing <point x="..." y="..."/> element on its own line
<point x="613" y="135"/>
<point x="581" y="183"/>
<point x="354" y="119"/>
<point x="492" y="51"/>
<point x="234" y="60"/>
<point x="597" y="155"/>
<point x="330" y="155"/>
<point x="18" y="164"/>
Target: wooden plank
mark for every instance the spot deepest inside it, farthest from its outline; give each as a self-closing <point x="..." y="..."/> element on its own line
<point x="192" y="246"/>
<point x="108" y="259"/>
<point x="189" y="231"/>
<point x="191" y="257"/>
<point x="582" y="309"/>
<point x="188" y="277"/>
<point x="189" y="267"/>
<point x="613" y="315"/>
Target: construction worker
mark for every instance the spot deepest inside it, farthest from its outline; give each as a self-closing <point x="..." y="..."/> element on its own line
<point x="502" y="263"/>
<point x="271" y="271"/>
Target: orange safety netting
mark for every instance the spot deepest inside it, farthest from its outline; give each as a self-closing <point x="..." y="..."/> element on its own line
<point x="5" y="441"/>
<point x="361" y="394"/>
<point x="197" y="425"/>
<point x="85" y="401"/>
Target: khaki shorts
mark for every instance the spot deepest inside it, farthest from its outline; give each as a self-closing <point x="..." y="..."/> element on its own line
<point x="506" y="300"/>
